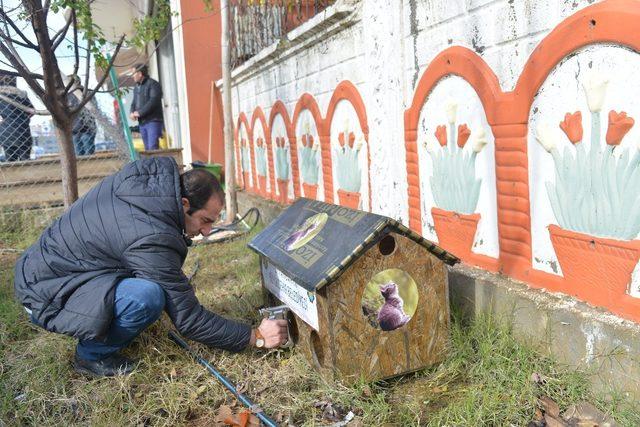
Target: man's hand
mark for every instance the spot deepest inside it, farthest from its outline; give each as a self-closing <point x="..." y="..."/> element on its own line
<point x="134" y="116"/>
<point x="274" y="332"/>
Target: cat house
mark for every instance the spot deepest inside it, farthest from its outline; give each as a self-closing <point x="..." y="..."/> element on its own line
<point x="368" y="297"/>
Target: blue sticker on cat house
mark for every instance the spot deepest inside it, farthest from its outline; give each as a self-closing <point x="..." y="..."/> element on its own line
<point x="369" y="295"/>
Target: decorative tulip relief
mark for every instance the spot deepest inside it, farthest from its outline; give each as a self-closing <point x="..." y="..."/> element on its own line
<point x="261" y="166"/>
<point x="309" y="162"/>
<point x="457" y="179"/>
<point x="282" y="168"/>
<point x="349" y="156"/>
<point x="594" y="198"/>
<point x="454" y="185"/>
<point x="348" y="172"/>
<point x="245" y="158"/>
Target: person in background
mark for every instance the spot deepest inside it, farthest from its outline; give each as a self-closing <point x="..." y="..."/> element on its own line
<point x="84" y="130"/>
<point x="15" y="132"/>
<point x="146" y="107"/>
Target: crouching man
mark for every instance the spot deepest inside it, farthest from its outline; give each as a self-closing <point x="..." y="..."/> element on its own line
<point x="109" y="266"/>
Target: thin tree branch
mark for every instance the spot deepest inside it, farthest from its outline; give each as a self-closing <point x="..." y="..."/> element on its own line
<point x="17" y="74"/>
<point x="26" y="42"/>
<point x="91" y="93"/>
<point x="59" y="37"/>
<point x="76" y="53"/>
<point x="87" y="70"/>
<point x="18" y="105"/>
<point x="16" y="62"/>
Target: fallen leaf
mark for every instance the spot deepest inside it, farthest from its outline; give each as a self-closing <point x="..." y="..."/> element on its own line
<point x="224" y="412"/>
<point x="366" y="391"/>
<point x="554" y="422"/>
<point x="549" y="406"/>
<point x="584" y="414"/>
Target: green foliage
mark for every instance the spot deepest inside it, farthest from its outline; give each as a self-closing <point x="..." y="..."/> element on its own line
<point x="147" y="29"/>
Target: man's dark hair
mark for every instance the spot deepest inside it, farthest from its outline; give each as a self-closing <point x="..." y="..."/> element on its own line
<point x="142" y="68"/>
<point x="198" y="186"/>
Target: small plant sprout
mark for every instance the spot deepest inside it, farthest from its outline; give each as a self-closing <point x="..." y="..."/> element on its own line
<point x="596" y="187"/>
<point x="309" y="157"/>
<point x="261" y="157"/>
<point x="453" y="183"/>
<point x="282" y="160"/>
<point x="347" y="160"/>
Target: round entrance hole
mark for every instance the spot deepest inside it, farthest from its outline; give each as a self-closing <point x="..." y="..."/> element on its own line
<point x="316" y="349"/>
<point x="387" y="245"/>
<point x="389" y="300"/>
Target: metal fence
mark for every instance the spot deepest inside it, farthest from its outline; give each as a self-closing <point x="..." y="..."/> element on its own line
<point x="30" y="170"/>
<point x="256" y="24"/>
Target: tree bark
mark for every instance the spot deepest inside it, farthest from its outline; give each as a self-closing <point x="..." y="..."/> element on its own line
<point x="67" y="162"/>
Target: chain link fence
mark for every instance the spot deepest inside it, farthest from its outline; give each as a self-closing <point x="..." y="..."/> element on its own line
<point x="30" y="170"/>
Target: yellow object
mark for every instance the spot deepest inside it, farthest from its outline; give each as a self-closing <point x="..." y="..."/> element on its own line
<point x="163" y="143"/>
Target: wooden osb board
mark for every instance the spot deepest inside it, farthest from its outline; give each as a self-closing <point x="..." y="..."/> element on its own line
<point x="357" y="349"/>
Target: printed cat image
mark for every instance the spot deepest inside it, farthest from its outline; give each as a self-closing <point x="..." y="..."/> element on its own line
<point x="299" y="235"/>
<point x="391" y="315"/>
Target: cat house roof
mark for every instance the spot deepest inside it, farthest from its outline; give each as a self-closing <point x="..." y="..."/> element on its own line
<point x="313" y="242"/>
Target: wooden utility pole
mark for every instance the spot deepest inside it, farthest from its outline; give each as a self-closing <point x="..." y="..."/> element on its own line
<point x="229" y="164"/>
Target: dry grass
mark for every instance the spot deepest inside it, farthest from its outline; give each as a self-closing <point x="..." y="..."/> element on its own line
<point x="485" y="381"/>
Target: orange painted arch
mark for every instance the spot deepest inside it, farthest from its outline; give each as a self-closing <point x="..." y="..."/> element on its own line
<point x="308" y="102"/>
<point x="242" y="121"/>
<point x="280" y="109"/>
<point x="347" y="91"/>
<point x="258" y="115"/>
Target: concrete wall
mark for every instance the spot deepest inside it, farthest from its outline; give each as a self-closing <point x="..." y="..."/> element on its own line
<point x="386" y="71"/>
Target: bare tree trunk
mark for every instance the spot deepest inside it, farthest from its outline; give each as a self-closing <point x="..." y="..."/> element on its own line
<point x="67" y="162"/>
<point x="229" y="164"/>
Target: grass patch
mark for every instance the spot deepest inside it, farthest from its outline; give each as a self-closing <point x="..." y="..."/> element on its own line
<point x="485" y="381"/>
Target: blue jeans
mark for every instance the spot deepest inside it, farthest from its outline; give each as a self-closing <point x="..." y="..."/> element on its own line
<point x="138" y="303"/>
<point x="84" y="143"/>
<point x="151" y="133"/>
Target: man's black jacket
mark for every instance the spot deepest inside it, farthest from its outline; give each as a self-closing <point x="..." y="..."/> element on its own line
<point x="129" y="225"/>
<point x="147" y="101"/>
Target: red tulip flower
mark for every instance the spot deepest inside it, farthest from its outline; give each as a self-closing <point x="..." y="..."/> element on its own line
<point x="441" y="135"/>
<point x="341" y="139"/>
<point x="463" y="135"/>
<point x="619" y="125"/>
<point x="572" y="126"/>
<point x="304" y="140"/>
<point x="352" y="139"/>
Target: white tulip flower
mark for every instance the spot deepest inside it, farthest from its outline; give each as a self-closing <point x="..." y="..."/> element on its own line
<point x="479" y="141"/>
<point x="595" y="87"/>
<point x="451" y="108"/>
<point x="545" y="137"/>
